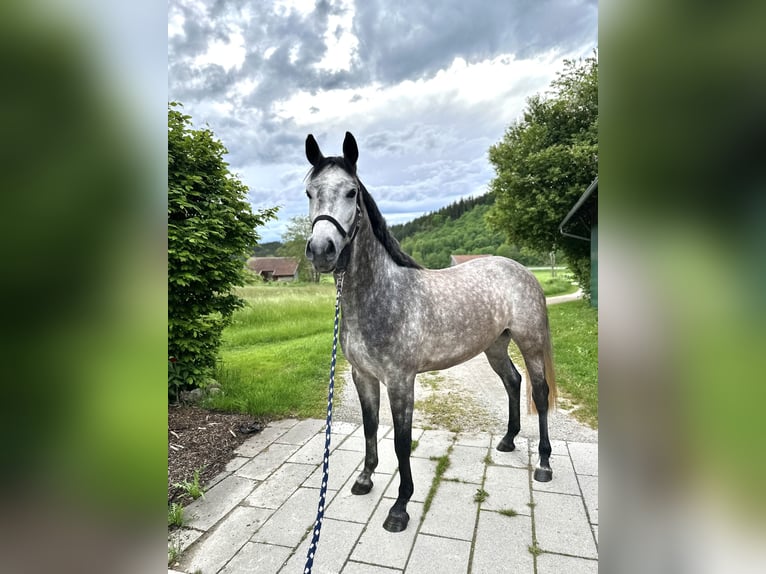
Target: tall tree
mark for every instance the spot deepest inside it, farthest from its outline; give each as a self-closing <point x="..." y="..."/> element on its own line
<point x="211" y="229"/>
<point x="294" y="245"/>
<point x="545" y="162"/>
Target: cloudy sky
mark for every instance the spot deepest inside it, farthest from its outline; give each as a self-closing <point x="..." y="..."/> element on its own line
<point x="425" y="87"/>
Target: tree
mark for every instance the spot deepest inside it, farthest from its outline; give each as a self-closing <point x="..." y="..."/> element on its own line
<point x="544" y="164"/>
<point x="211" y="229"/>
<point x="294" y="245"/>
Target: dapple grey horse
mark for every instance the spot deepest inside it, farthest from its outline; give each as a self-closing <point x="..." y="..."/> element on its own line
<point x="399" y="319"/>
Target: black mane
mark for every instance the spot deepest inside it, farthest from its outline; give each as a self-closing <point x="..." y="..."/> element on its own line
<point x="377" y="222"/>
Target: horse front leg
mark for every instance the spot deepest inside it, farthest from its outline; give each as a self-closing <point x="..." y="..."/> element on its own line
<point x="368" y="389"/>
<point x="401" y="395"/>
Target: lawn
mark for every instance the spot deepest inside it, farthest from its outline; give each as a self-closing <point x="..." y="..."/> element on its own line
<point x="574" y="330"/>
<point x="275" y="356"/>
<point x="561" y="284"/>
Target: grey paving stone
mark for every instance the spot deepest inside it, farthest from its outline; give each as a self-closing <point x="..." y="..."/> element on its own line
<point x="267" y="461"/>
<point x="257" y="443"/>
<point x="217" y="478"/>
<point x="435" y="555"/>
<point x="453" y="511"/>
<point x="290" y="523"/>
<point x="433" y="443"/>
<point x="383" y="431"/>
<point x="561" y="525"/>
<point x="273" y="492"/>
<point x="353" y="442"/>
<point x="235" y="463"/>
<point x="357" y="508"/>
<point x="182" y="538"/>
<point x="359" y="568"/>
<point x="564" y="480"/>
<point x="589" y="487"/>
<point x="343" y="464"/>
<point x="502" y="544"/>
<point x="558" y="447"/>
<point x="335" y="544"/>
<point x="225" y="540"/>
<point x="312" y="452"/>
<point x="423" y="472"/>
<point x="256" y="557"/>
<point x="379" y="547"/>
<point x="584" y="457"/>
<point x="518" y="458"/>
<point x="387" y="461"/>
<point x="284" y="423"/>
<point x="508" y="488"/>
<point x="302" y="432"/>
<point x="466" y="464"/>
<point x="556" y="564"/>
<point x="218" y="502"/>
<point x="475" y="439"/>
<point x="343" y="428"/>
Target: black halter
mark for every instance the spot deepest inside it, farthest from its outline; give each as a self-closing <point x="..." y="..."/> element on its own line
<point x="338" y="226"/>
<point x="343" y="257"/>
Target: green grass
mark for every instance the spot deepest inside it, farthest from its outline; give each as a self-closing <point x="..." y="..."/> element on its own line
<point x="175" y="515"/>
<point x="508" y="512"/>
<point x="481" y="495"/>
<point x="275" y="356"/>
<point x="191" y="487"/>
<point x="574" y="329"/>
<point x="559" y="285"/>
<point x="442" y="464"/>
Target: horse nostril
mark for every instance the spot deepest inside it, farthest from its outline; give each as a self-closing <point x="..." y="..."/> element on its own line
<point x="330" y="248"/>
<point x="309" y="252"/>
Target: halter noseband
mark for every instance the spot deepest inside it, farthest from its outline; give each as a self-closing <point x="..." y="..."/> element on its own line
<point x="338" y="226"/>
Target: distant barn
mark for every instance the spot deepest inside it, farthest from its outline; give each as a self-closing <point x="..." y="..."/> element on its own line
<point x="274" y="268"/>
<point x="458" y="259"/>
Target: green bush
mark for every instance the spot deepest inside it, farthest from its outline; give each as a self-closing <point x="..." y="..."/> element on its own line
<point x="211" y="229"/>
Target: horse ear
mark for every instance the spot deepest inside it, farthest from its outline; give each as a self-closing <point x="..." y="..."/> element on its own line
<point x="312" y="151"/>
<point x="350" y="151"/>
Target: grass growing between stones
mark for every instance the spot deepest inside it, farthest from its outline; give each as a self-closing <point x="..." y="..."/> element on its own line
<point x="480" y="496"/>
<point x="175" y="515"/>
<point x="442" y="465"/>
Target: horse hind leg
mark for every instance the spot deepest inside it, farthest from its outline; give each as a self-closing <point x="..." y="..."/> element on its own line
<point x="368" y="389"/>
<point x="537" y="362"/>
<point x="497" y="355"/>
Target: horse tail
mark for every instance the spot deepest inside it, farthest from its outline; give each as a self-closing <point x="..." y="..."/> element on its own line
<point x="550" y="374"/>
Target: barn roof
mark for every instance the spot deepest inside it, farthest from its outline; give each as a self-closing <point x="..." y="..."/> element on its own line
<point x="278" y="266"/>
<point x="458" y="259"/>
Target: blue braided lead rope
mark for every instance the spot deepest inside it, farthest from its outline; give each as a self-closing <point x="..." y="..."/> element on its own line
<point x="326" y="461"/>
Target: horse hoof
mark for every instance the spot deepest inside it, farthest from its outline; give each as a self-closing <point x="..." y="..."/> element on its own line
<point x="543" y="474"/>
<point x="361" y="487"/>
<point x="506" y="445"/>
<point x="396" y="522"/>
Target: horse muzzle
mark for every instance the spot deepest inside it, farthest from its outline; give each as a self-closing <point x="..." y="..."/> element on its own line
<point x="323" y="253"/>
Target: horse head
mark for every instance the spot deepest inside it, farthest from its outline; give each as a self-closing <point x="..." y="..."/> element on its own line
<point x="334" y="205"/>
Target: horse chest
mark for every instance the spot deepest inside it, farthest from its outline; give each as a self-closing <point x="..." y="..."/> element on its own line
<point x="375" y="344"/>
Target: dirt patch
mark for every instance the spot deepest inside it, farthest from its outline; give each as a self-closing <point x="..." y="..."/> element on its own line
<point x="199" y="439"/>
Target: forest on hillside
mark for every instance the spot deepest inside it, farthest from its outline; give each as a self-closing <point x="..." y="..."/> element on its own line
<point x="459" y="228"/>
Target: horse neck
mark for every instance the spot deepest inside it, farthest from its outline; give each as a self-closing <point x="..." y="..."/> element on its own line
<point x="370" y="269"/>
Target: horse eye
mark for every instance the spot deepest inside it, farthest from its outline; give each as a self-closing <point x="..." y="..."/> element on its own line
<point x="308" y="194"/>
<point x="351" y="193"/>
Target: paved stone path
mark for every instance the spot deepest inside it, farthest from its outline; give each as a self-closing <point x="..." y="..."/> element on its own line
<point x="256" y="516"/>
